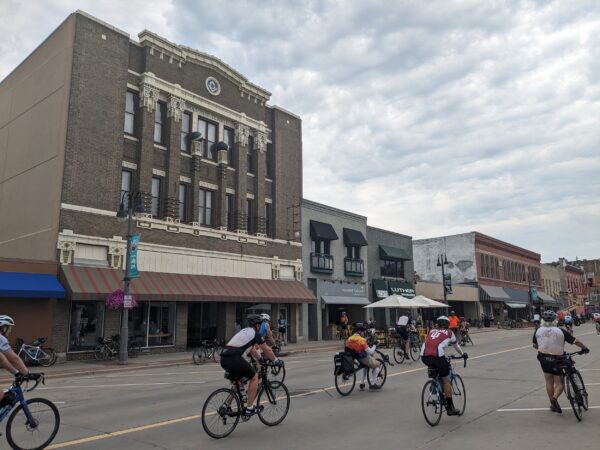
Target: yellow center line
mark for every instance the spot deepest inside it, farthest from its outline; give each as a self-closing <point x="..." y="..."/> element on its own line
<point x="164" y="423"/>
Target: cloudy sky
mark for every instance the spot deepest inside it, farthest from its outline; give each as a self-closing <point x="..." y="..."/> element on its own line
<point x="428" y="117"/>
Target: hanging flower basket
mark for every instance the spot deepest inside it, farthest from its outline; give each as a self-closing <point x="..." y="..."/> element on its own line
<point x="115" y="300"/>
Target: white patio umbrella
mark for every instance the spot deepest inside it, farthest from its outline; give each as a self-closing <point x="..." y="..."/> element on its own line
<point x="395" y="301"/>
<point x="429" y="303"/>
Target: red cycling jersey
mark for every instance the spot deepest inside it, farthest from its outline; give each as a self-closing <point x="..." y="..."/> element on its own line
<point x="437" y="340"/>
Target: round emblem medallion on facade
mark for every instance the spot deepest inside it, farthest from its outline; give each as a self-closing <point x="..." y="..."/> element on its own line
<point x="213" y="86"/>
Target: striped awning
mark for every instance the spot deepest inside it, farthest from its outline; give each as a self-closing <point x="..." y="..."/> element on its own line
<point x="93" y="283"/>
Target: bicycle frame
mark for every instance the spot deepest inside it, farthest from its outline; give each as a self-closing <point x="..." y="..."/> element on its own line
<point x="19" y="398"/>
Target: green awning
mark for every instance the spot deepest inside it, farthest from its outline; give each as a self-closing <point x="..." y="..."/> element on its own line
<point x="380" y="289"/>
<point x="393" y="253"/>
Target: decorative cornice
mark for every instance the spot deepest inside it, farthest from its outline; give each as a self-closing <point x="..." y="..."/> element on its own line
<point x="183" y="55"/>
<point x="149" y="96"/>
<point x="261" y="142"/>
<point x="241" y="134"/>
<point x="175" y="108"/>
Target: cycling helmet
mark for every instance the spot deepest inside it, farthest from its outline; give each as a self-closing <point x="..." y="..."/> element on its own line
<point x="360" y="326"/>
<point x="6" y="321"/>
<point x="254" y="319"/>
<point x="443" y="322"/>
<point x="549" y="316"/>
<point x="452" y="313"/>
<point x="265" y="317"/>
<point x="568" y="320"/>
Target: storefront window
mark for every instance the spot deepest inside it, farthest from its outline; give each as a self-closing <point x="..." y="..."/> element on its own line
<point x="152" y="324"/>
<point x="87" y="324"/>
<point x="242" y="310"/>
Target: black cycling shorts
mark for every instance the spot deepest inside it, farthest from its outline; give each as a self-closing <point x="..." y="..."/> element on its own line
<point x="282" y="330"/>
<point x="402" y="331"/>
<point x="237" y="366"/>
<point x="549" y="363"/>
<point x="439" y="363"/>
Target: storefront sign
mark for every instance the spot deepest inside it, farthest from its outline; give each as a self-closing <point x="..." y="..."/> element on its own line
<point x="128" y="301"/>
<point x="534" y="295"/>
<point x="331" y="288"/>
<point x="404" y="289"/>
<point x="133" y="261"/>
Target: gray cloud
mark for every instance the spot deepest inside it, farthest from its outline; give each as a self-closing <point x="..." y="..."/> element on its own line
<point x="430" y="117"/>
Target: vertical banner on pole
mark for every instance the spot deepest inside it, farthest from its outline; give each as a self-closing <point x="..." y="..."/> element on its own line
<point x="133" y="267"/>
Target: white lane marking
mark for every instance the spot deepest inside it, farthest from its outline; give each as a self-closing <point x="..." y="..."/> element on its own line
<point x="533" y="409"/>
<point x="587" y="370"/>
<point x="119" y="385"/>
<point x="591" y="384"/>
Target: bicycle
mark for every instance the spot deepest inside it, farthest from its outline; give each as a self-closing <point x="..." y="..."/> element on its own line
<point x="574" y="386"/>
<point x="108" y="348"/>
<point x="399" y="351"/>
<point x="225" y="407"/>
<point x="33" y="423"/>
<point x="346" y="366"/>
<point x="35" y="353"/>
<point x="464" y="337"/>
<point x="207" y="350"/>
<point x="432" y="396"/>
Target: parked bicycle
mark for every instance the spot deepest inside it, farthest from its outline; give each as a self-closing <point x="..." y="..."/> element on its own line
<point x="208" y="350"/>
<point x="36" y="353"/>
<point x="33" y="423"/>
<point x="108" y="348"/>
<point x="346" y="366"/>
<point x="574" y="386"/>
<point x="399" y="350"/>
<point x="433" y="401"/>
<point x="224" y="408"/>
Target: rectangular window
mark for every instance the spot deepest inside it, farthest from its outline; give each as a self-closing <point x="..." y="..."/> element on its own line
<point x="229" y="211"/>
<point x="131" y="106"/>
<point x="184" y="140"/>
<point x="183" y="203"/>
<point x="87" y="325"/>
<point x="152" y="324"/>
<point x="126" y="176"/>
<point x="205" y="210"/>
<point x="394" y="269"/>
<point x="249" y="216"/>
<point x="268" y="155"/>
<point x="228" y="137"/>
<point x="268" y="230"/>
<point x="155" y="197"/>
<point x="159" y="119"/>
<point x="353" y="252"/>
<point x="322" y="247"/>
<point x="209" y="133"/>
<point x="249" y="155"/>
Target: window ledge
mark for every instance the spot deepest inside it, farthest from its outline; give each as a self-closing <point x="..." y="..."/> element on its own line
<point x="270" y="180"/>
<point x="250" y="174"/>
<point x="131" y="138"/>
<point x="208" y="161"/>
<point x="161" y="147"/>
<point x="187" y="155"/>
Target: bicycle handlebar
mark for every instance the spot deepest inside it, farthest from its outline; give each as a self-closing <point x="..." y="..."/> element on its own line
<point x="580" y="352"/>
<point x="26" y="379"/>
<point x="458" y="357"/>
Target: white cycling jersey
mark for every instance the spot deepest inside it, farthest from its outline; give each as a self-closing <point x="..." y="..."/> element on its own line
<point x="4" y="344"/>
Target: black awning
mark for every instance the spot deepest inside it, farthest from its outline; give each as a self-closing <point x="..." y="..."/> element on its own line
<point x="322" y="231"/>
<point x="354" y="237"/>
<point x="380" y="289"/>
<point x="393" y="253"/>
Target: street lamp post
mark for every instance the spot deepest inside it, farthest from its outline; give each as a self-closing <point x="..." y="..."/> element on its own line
<point x="532" y="307"/>
<point x="441" y="262"/>
<point x="122" y="215"/>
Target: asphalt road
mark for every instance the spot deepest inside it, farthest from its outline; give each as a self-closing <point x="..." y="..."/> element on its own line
<point x="507" y="406"/>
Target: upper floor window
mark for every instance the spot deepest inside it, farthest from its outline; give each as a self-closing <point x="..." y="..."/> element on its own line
<point x="155" y="197"/>
<point x="126" y="176"/>
<point x="228" y="138"/>
<point x="250" y="155"/>
<point x="321" y="246"/>
<point x="131" y="107"/>
<point x="205" y="210"/>
<point x="391" y="268"/>
<point x="209" y="133"/>
<point x="268" y="223"/>
<point x="229" y="211"/>
<point x="268" y="162"/>
<point x="353" y="251"/>
<point x="182" y="202"/>
<point x="186" y="125"/>
<point x="249" y="215"/>
<point x="159" y="122"/>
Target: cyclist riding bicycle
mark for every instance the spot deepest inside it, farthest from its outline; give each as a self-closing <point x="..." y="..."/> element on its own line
<point x="234" y="361"/>
<point x="433" y="355"/>
<point x="359" y="346"/>
<point x="10" y="361"/>
<point x="453" y="318"/>
<point x="550" y="340"/>
<point x="265" y="329"/>
<point x="402" y="329"/>
<point x="568" y="323"/>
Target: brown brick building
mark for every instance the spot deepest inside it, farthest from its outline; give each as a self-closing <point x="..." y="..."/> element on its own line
<point x="92" y="115"/>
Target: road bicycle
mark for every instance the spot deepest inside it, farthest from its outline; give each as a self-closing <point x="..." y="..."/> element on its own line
<point x="36" y="353"/>
<point x="224" y="408"/>
<point x="464" y="337"/>
<point x="208" y="350"/>
<point x="32" y="424"/>
<point x="433" y="400"/>
<point x="108" y="348"/>
<point x="574" y="386"/>
<point x="346" y="366"/>
<point x="399" y="351"/>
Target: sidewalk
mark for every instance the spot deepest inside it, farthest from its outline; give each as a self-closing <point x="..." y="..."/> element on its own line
<point x="67" y="369"/>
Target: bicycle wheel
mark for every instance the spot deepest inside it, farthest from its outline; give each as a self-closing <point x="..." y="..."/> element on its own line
<point x="431" y="403"/>
<point x="459" y="394"/>
<point x="583" y="395"/>
<point x="217" y="353"/>
<point x="53" y="355"/>
<point x="44" y="358"/>
<point x="273" y="404"/>
<point x="399" y="354"/>
<point x="133" y="350"/>
<point x="344" y="382"/>
<point x="22" y="435"/>
<point x="276" y="374"/>
<point x="572" y="393"/>
<point x="378" y="381"/>
<point x="101" y="352"/>
<point x="221" y="413"/>
<point x="415" y="352"/>
<point x="199" y="355"/>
